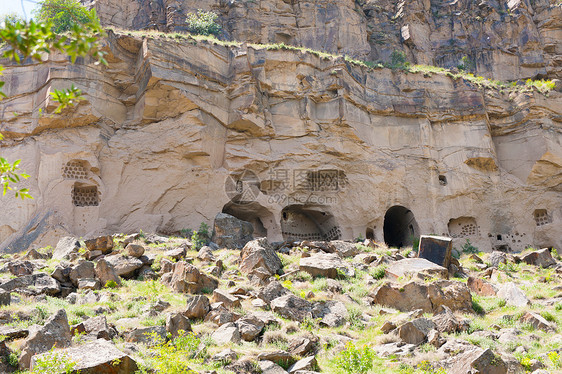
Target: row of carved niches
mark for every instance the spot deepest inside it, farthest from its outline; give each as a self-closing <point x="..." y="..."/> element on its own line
<point x="463" y="227"/>
<point x="541" y="217"/>
<point x="85" y="195"/>
<point x="75" y="169"/>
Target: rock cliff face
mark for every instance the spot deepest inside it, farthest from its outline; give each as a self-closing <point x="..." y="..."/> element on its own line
<point x="303" y="146"/>
<point x="505" y="40"/>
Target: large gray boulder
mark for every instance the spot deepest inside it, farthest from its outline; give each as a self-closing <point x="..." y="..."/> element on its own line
<point x="99" y="356"/>
<point x="258" y="254"/>
<point x="124" y="266"/>
<point x="513" y="295"/>
<point x="65" y="247"/>
<point x="231" y="232"/>
<point x="415" y="332"/>
<point x="478" y="361"/>
<point x="186" y="278"/>
<point x="542" y="258"/>
<point x="197" y="307"/>
<point x="55" y="331"/>
<point x="428" y="297"/>
<point x="292" y="307"/>
<point x="328" y="265"/>
<point x="35" y="284"/>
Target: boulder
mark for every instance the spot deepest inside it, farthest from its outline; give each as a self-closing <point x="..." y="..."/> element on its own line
<point x="228" y="300"/>
<point x="85" y="269"/>
<point x="225" y="356"/>
<point x="345" y="249"/>
<point x="13" y="333"/>
<point x="259" y="254"/>
<point x="88" y="284"/>
<point x="281" y="357"/>
<point x="496" y="258"/>
<point x="146" y="335"/>
<point x="272" y="291"/>
<point x="124" y="266"/>
<point x="98" y="327"/>
<point x="55" y="331"/>
<point x="415" y="267"/>
<point x="333" y="313"/>
<point x="302" y="345"/>
<point x="427" y="297"/>
<point x="105" y="272"/>
<point x="231" y="232"/>
<point x="5" y="298"/>
<point x="20" y="268"/>
<point x="250" y="327"/>
<point x="480" y="361"/>
<point x="177" y="322"/>
<point x="197" y="307"/>
<point x="206" y="254"/>
<point x="307" y="363"/>
<point x="134" y="250"/>
<point x="292" y="307"/>
<point x="445" y="321"/>
<point x="542" y="258"/>
<point x="481" y="287"/>
<point x="219" y="315"/>
<point x="513" y="295"/>
<point x="227" y="333"/>
<point x="436" y="249"/>
<point x="415" y="332"/>
<point x="538" y="322"/>
<point x="102" y="243"/>
<point x="65" y="247"/>
<point x="328" y="265"/>
<point x="186" y="278"/>
<point x="268" y="367"/>
<point x="35" y="284"/>
<point x="95" y="357"/>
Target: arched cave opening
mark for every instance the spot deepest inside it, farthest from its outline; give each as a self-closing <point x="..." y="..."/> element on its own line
<point x="253" y="213"/>
<point x="400" y="227"/>
<point x="301" y="222"/>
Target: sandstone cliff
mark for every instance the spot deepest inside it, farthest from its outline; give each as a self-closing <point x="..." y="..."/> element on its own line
<point x="505" y="40"/>
<point x="335" y="150"/>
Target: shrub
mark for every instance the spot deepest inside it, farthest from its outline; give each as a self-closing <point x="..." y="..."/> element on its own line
<point x="174" y="356"/>
<point x="64" y="14"/>
<point x="468" y="247"/>
<point x="200" y="237"/>
<point x="203" y="23"/>
<point x="54" y="363"/>
<point x="378" y="272"/>
<point x="354" y="360"/>
<point x="111" y="284"/>
<point x="554" y="357"/>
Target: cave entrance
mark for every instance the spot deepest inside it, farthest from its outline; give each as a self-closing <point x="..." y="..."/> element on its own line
<point x="256" y="214"/>
<point x="300" y="222"/>
<point x="400" y="227"/>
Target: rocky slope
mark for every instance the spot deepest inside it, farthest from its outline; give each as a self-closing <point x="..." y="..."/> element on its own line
<point x="175" y="129"/>
<point x="145" y="303"/>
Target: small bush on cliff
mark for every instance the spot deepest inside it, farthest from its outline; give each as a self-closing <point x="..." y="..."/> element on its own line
<point x="203" y="23"/>
<point x="64" y="14"/>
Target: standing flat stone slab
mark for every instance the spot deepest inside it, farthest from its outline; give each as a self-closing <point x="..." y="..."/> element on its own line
<point x="436" y="249"/>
